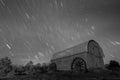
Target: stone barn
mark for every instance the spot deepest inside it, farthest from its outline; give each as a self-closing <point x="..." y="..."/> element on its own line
<point x="82" y="57"/>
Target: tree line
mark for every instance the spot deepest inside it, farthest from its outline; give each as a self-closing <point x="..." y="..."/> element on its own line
<point x="8" y="69"/>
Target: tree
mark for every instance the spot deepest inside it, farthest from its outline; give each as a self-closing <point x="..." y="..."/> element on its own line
<point x="113" y="65"/>
<point x="30" y="63"/>
<point x="52" y="67"/>
<point x="19" y="70"/>
<point x="5" y="66"/>
<point x="29" y="67"/>
<point x="44" y="68"/>
<point x="37" y="68"/>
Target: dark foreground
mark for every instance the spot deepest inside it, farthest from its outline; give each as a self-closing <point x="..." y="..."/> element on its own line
<point x="61" y="75"/>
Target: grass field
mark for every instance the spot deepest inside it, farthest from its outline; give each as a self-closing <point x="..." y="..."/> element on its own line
<point x="67" y="75"/>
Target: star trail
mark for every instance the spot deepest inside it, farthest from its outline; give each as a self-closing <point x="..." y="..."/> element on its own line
<point x="36" y="29"/>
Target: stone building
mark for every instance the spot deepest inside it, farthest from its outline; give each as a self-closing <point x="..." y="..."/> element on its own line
<point x="85" y="56"/>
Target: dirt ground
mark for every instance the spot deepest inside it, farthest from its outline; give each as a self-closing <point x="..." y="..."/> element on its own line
<point x="62" y="75"/>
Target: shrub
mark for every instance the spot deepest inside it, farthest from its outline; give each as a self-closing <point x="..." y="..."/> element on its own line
<point x="29" y="67"/>
<point x="19" y="70"/>
<point x="44" y="68"/>
<point x="113" y="65"/>
<point x="52" y="67"/>
<point x="5" y="66"/>
<point x="37" y="68"/>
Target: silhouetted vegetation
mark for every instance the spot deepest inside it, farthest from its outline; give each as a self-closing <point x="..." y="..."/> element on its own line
<point x="5" y="66"/>
<point x="49" y="72"/>
<point x="20" y="70"/>
<point x="52" y="67"/>
<point x="113" y="65"/>
<point x="29" y="67"/>
<point x="36" y="69"/>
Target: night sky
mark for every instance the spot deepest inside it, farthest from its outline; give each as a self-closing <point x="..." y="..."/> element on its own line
<point x="36" y="29"/>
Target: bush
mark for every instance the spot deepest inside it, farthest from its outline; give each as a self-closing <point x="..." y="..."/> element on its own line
<point x="5" y="66"/>
<point x="19" y="70"/>
<point x="113" y="65"/>
<point x="52" y="67"/>
<point x="37" y="68"/>
<point x="29" y="67"/>
<point x="44" y="68"/>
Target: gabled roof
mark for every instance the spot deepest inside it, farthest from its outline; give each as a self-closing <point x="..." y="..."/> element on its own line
<point x="83" y="47"/>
